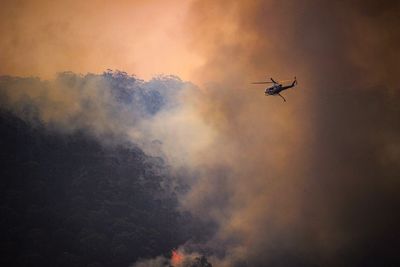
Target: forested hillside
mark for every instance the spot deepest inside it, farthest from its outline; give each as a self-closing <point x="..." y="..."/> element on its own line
<point x="68" y="199"/>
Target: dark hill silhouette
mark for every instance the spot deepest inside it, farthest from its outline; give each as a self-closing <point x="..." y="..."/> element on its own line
<point x="66" y="199"/>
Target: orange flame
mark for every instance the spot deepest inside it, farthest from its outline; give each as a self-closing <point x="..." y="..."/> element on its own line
<point x="176" y="258"/>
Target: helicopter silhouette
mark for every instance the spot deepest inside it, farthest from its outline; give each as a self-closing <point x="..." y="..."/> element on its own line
<point x="277" y="87"/>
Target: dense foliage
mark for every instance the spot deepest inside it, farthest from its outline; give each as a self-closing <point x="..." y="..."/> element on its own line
<point x="67" y="199"/>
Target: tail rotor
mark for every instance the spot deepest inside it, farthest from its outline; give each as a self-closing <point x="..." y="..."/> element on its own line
<point x="295" y="81"/>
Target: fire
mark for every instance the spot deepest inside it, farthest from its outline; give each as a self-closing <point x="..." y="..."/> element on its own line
<point x="176" y="258"/>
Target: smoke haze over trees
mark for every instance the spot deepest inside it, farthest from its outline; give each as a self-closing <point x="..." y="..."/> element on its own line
<point x="75" y="192"/>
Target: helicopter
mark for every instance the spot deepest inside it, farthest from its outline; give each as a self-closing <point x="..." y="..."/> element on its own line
<point x="277" y="87"/>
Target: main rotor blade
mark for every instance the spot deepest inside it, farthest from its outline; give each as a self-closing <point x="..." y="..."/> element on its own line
<point x="261" y="82"/>
<point x="276" y="82"/>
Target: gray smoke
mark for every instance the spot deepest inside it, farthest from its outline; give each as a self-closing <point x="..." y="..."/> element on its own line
<point x="114" y="107"/>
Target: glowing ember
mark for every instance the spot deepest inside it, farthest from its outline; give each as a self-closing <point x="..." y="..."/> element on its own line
<point x="176" y="258"/>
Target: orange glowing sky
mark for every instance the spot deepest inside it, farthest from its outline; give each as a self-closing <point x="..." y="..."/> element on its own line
<point x="141" y="37"/>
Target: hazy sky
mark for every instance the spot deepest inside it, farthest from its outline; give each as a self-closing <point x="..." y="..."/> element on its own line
<point x="140" y="37"/>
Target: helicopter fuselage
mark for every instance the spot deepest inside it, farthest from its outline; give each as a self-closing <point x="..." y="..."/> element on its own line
<point x="276" y="89"/>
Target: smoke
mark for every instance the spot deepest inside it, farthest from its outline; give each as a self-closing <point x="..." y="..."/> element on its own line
<point x="311" y="181"/>
<point x="157" y="262"/>
<point x="116" y="109"/>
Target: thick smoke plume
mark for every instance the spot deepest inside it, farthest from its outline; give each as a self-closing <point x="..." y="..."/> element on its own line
<point x="311" y="181"/>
